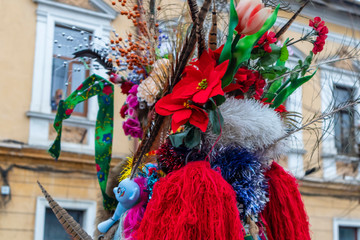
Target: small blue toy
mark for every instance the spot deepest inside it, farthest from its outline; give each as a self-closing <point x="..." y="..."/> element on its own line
<point x="128" y="194"/>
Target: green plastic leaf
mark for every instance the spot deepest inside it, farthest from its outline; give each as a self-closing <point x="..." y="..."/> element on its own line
<point x="243" y="48"/>
<point x="270" y="58"/>
<point x="234" y="20"/>
<point x="285" y="93"/>
<point x="177" y="139"/>
<point x="307" y="63"/>
<point x="284" y="56"/>
<point x="193" y="138"/>
<point x="273" y="88"/>
<point x="217" y="120"/>
<point x="219" y="99"/>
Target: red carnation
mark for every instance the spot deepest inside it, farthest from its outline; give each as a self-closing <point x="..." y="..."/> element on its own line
<point x="182" y="111"/>
<point x="202" y="81"/>
<point x="316" y="23"/>
<point x="125" y="87"/>
<point x="279" y="109"/>
<point x="267" y="39"/>
<point x="321" y="31"/>
<point x="245" y="80"/>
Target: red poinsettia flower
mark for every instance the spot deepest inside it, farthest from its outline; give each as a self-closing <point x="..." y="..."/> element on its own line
<point x="267" y="39"/>
<point x="246" y="79"/>
<point x="182" y="111"/>
<point x="216" y="53"/>
<point x="202" y="81"/>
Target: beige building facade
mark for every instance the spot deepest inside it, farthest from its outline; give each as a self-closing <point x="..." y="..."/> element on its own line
<point x="30" y="37"/>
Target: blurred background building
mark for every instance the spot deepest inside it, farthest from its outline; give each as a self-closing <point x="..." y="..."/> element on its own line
<point x="37" y="40"/>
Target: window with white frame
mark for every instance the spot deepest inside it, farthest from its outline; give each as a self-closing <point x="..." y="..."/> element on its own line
<point x="47" y="227"/>
<point x="346" y="229"/>
<point x="339" y="147"/>
<point x="62" y="29"/>
<point x="344" y="121"/>
<point x="68" y="73"/>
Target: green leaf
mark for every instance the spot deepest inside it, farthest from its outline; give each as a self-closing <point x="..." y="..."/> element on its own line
<point x="273" y="88"/>
<point x="270" y="58"/>
<point x="285" y="93"/>
<point x="177" y="139"/>
<point x="226" y="52"/>
<point x="284" y="56"/>
<point x="214" y="117"/>
<point x="272" y="72"/>
<point x="269" y="75"/>
<point x="193" y="138"/>
<point x="307" y="63"/>
<point x="219" y="99"/>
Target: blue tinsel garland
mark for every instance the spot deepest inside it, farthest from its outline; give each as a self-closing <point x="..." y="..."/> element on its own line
<point x="244" y="172"/>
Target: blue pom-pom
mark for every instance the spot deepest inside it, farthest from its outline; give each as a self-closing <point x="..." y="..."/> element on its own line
<point x="244" y="172"/>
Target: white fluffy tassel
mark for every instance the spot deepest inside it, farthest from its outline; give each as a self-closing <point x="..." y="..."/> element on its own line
<point x="251" y="125"/>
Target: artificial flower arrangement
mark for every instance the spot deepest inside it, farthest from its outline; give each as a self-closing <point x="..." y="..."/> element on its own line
<point x="209" y="127"/>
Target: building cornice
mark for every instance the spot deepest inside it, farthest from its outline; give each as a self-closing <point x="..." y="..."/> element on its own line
<point x="322" y="188"/>
<point x="106" y="11"/>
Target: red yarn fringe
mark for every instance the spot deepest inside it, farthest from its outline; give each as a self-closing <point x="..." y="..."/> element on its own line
<point x="192" y="203"/>
<point x="285" y="214"/>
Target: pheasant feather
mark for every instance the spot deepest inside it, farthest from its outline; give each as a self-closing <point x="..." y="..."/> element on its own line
<point x="212" y="43"/>
<point x="199" y="26"/>
<point x="70" y="225"/>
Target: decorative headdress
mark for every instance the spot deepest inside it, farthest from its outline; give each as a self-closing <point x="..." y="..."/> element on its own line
<point x="209" y="119"/>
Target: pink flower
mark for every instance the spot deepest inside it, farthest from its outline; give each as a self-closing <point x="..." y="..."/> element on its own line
<point x="132" y="101"/>
<point x="131" y="112"/>
<point x="252" y="15"/>
<point x="133" y="90"/>
<point x="132" y="127"/>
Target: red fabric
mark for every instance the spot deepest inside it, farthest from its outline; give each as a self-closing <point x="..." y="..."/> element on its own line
<point x="195" y="203"/>
<point x="285" y="213"/>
